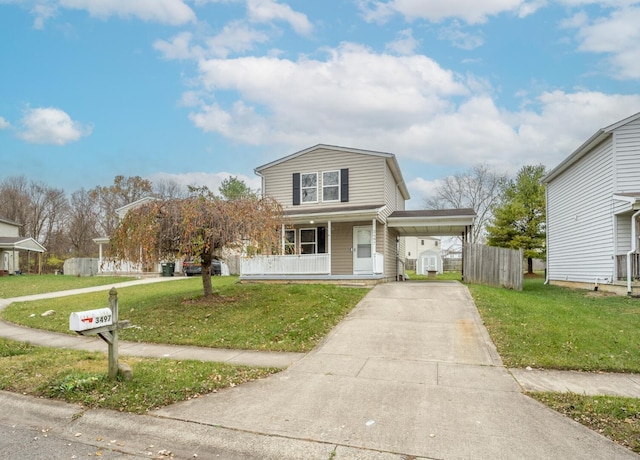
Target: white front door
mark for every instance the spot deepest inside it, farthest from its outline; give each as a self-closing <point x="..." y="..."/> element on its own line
<point x="362" y="254"/>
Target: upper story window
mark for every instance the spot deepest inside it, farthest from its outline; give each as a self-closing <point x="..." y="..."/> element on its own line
<point x="309" y="187"/>
<point x="331" y="186"/>
<point x="335" y="187"/>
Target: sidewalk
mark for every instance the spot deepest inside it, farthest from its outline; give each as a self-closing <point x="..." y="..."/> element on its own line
<point x="93" y="343"/>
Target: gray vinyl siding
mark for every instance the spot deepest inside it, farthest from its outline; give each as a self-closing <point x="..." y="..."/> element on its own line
<point x="390" y="253"/>
<point x="392" y="195"/>
<point x="627" y="157"/>
<point x="366" y="173"/>
<point x="9" y="230"/>
<point x="580" y="223"/>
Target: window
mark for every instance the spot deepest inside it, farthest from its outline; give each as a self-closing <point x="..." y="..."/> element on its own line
<point x="309" y="187"/>
<point x="331" y="186"/>
<point x="422" y="242"/>
<point x="290" y="241"/>
<point x="307" y="241"/>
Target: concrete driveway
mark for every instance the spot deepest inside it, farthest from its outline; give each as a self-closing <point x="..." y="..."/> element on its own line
<point x="411" y="372"/>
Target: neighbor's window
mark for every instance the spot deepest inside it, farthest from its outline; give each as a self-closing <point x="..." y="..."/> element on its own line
<point x="309" y="187"/>
<point x="290" y="241"/>
<point x="307" y="241"/>
<point x="331" y="186"/>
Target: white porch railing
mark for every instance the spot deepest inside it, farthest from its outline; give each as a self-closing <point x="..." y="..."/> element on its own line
<point x="295" y="264"/>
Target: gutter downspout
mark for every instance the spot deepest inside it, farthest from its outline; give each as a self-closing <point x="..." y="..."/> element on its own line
<point x="633" y="249"/>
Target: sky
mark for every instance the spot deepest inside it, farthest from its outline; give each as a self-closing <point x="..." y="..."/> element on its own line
<point x="198" y="90"/>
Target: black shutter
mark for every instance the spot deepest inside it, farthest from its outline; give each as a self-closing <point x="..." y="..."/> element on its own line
<point x="344" y="185"/>
<point x="296" y="188"/>
<point x="322" y="240"/>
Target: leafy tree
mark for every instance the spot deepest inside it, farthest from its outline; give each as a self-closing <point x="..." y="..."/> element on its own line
<point x="478" y="188"/>
<point x="198" y="226"/>
<point x="520" y="220"/>
<point x="233" y="188"/>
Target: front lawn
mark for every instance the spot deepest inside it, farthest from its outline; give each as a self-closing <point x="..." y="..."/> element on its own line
<point x="275" y="317"/>
<point x="557" y="328"/>
<point x="81" y="377"/>
<point x="22" y="285"/>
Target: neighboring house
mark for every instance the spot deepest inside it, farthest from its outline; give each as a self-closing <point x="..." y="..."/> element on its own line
<point x="104" y="265"/>
<point x="11" y="244"/>
<point x="346" y="217"/>
<point x="416" y="245"/>
<point x="593" y="204"/>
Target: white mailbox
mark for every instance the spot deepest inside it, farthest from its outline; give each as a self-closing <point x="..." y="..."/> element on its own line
<point x="90" y="319"/>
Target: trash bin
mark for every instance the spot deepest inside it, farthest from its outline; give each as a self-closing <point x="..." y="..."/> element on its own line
<point x="168" y="269"/>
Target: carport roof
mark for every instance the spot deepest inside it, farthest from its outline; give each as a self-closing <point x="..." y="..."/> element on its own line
<point x="432" y="222"/>
<point x="20" y="243"/>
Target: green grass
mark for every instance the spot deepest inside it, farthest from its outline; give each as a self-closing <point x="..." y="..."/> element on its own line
<point x="275" y="317"/>
<point x="557" y="328"/>
<point x="18" y="286"/>
<point x="614" y="417"/>
<point x="442" y="276"/>
<point x="81" y="377"/>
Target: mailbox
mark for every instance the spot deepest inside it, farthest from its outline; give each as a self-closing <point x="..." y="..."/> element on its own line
<point x="90" y="319"/>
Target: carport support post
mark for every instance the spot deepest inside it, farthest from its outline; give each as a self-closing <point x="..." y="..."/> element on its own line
<point x="113" y="343"/>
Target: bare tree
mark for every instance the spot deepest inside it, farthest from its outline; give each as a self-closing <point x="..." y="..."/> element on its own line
<point x="167" y="189"/>
<point x="82" y="225"/>
<point x="479" y="188"/>
<point x="14" y="201"/>
<point x="124" y="190"/>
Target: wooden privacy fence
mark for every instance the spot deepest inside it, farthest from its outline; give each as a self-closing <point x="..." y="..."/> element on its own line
<point x="493" y="266"/>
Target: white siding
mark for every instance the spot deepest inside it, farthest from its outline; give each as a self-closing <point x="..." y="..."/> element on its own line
<point x="623" y="233"/>
<point x="580" y="222"/>
<point x="627" y="151"/>
<point x="366" y="175"/>
<point x="9" y="230"/>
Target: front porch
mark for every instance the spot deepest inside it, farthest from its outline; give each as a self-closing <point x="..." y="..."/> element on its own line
<point x="293" y="267"/>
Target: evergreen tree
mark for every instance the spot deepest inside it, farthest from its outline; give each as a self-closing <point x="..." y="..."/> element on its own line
<point x="519" y="221"/>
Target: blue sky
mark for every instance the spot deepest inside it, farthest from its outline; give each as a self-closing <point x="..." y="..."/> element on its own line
<point x="197" y="90"/>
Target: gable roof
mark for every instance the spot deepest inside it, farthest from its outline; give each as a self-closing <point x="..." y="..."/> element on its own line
<point x="599" y="136"/>
<point x="20" y="243"/>
<point x="122" y="210"/>
<point x="389" y="157"/>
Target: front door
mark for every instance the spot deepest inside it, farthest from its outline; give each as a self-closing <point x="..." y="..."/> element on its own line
<point x="362" y="256"/>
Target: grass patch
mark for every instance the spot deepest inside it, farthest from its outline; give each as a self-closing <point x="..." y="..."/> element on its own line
<point x="413" y="276"/>
<point x="244" y="316"/>
<point x="18" y="286"/>
<point x="614" y="417"/>
<point x="81" y="377"/>
<point x="558" y="328"/>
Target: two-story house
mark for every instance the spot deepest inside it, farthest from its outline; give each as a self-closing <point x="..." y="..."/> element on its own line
<point x="346" y="217"/>
<point x="11" y="244"/>
<point x="593" y="211"/>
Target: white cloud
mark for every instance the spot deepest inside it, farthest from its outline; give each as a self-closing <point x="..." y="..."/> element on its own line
<point x="4" y="124"/>
<point x="270" y="10"/>
<point x="179" y="47"/>
<point x="405" y="44"/>
<point x="51" y="126"/>
<point x="616" y="35"/>
<point x="459" y="38"/>
<point x="408" y="105"/>
<point x="174" y="12"/>
<point x="470" y="11"/>
<point x="211" y="180"/>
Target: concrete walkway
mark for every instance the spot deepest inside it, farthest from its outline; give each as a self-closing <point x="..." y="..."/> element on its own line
<point x="410" y="373"/>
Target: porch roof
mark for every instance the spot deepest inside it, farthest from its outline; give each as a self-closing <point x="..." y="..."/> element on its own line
<point x="335" y="214"/>
<point x="20" y="243"/>
<point x="432" y="222"/>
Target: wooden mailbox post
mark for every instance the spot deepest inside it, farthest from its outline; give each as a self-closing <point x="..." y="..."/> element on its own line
<point x="104" y="323"/>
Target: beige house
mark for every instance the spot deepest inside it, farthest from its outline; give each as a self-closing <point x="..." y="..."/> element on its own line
<point x="11" y="244"/>
<point x="347" y="217"/>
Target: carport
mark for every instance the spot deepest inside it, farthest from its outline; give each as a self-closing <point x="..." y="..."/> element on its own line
<point x="435" y="222"/>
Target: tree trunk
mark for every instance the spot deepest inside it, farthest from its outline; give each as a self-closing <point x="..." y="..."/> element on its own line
<point x="206" y="275"/>
<point x="529" y="265"/>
